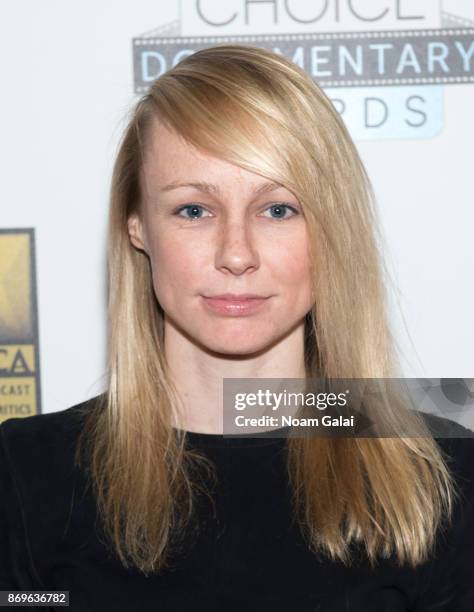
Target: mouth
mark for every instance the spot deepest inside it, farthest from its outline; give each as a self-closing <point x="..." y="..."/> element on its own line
<point x="231" y="304"/>
<point x="236" y="296"/>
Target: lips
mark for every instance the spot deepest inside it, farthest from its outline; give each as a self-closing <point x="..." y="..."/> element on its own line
<point x="231" y="304"/>
<point x="236" y="297"/>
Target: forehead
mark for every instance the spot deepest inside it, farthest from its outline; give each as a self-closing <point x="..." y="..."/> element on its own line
<point x="169" y="158"/>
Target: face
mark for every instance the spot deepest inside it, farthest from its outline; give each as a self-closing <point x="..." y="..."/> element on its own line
<point x="212" y="228"/>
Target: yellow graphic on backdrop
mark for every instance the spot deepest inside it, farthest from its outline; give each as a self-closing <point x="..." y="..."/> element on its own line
<point x="19" y="372"/>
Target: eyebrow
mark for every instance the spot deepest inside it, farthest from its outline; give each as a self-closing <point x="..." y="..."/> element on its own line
<point x="215" y="190"/>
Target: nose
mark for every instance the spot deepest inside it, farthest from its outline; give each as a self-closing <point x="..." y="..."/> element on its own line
<point x="236" y="251"/>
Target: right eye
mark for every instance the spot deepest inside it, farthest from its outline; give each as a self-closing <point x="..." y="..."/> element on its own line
<point x="195" y="211"/>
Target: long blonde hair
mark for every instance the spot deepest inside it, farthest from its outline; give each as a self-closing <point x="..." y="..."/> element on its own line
<point x="257" y="109"/>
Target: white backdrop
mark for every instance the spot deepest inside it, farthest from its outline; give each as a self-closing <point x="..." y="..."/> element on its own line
<point x="68" y="82"/>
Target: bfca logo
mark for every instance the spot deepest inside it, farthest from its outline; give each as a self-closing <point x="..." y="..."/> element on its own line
<point x="20" y="391"/>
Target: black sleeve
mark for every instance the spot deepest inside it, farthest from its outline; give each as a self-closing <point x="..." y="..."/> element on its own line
<point x="448" y="584"/>
<point x="15" y="567"/>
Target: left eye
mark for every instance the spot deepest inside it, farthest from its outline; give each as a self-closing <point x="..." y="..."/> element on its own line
<point x="278" y="211"/>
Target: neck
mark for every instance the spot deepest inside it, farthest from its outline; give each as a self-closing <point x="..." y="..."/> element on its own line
<point x="198" y="373"/>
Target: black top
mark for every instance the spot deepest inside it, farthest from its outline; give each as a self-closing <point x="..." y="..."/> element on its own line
<point x="250" y="557"/>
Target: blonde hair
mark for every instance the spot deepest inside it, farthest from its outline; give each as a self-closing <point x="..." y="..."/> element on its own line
<point x="257" y="109"/>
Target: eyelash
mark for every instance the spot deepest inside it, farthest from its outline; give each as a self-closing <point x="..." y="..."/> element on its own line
<point x="277" y="204"/>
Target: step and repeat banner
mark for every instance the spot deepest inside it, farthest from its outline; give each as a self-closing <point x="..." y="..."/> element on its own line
<point x="400" y="73"/>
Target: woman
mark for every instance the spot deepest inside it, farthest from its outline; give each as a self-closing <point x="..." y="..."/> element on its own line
<point x="236" y="178"/>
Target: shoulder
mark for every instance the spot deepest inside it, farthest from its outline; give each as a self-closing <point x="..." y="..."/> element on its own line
<point x="39" y="488"/>
<point x="43" y="442"/>
<point x="456" y="443"/>
<point x="448" y="575"/>
<point x="48" y="427"/>
<point x="442" y="427"/>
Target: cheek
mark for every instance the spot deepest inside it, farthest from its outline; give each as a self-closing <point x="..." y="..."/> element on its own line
<point x="290" y="265"/>
<point x="177" y="266"/>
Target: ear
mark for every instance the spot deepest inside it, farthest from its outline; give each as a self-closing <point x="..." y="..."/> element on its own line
<point x="135" y="231"/>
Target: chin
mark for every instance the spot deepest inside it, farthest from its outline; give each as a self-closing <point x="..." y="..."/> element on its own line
<point x="237" y="343"/>
<point x="236" y="348"/>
